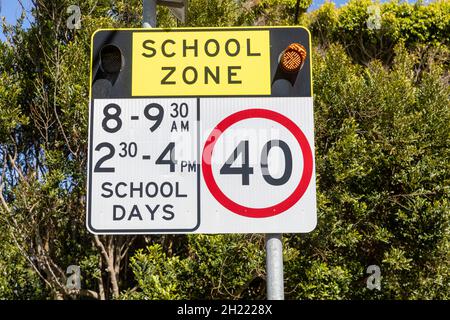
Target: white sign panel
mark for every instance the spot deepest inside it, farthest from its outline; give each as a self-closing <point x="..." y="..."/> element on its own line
<point x="145" y="173"/>
<point x="257" y="165"/>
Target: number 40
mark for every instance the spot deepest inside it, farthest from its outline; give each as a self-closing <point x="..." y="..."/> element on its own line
<point x="245" y="170"/>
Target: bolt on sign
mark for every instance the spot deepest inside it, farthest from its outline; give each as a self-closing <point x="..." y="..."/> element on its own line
<point x="201" y="131"/>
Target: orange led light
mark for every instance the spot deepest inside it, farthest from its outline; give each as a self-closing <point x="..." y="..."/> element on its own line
<point x="293" y="57"/>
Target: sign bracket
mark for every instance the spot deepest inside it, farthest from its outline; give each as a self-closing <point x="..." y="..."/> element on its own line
<point x="177" y="7"/>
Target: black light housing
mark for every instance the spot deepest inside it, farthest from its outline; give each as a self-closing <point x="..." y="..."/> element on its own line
<point x="111" y="59"/>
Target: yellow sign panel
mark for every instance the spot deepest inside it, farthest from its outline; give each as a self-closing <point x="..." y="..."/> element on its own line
<point x="201" y="63"/>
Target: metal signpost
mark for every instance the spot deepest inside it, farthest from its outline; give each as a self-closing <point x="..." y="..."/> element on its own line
<point x="201" y="130"/>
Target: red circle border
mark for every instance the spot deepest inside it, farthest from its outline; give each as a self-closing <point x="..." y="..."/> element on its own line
<point x="248" y="211"/>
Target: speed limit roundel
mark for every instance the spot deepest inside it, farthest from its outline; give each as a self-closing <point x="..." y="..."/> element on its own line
<point x="299" y="179"/>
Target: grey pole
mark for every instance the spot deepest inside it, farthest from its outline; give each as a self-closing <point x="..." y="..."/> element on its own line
<point x="274" y="267"/>
<point x="149" y="14"/>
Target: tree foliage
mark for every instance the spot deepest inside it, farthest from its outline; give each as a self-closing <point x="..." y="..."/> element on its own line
<point x="382" y="115"/>
<point x="371" y="30"/>
<point x="215" y="267"/>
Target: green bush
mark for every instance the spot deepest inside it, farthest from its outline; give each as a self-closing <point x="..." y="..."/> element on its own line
<point x="382" y="140"/>
<point x="352" y="25"/>
<point x="212" y="267"/>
